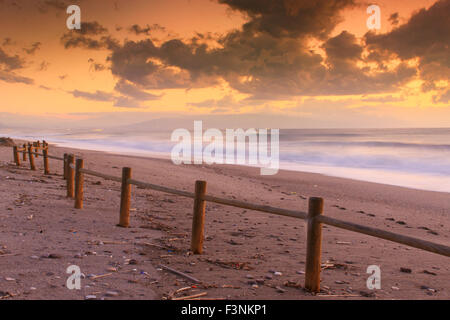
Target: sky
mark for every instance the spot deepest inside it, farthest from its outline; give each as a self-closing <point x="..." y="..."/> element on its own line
<point x="280" y="64"/>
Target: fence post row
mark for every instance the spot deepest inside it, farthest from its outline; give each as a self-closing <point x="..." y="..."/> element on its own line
<point x="79" y="181"/>
<point x="313" y="245"/>
<point x="75" y="181"/>
<point x="70" y="176"/>
<point x="198" y="220"/>
<point x="125" y="198"/>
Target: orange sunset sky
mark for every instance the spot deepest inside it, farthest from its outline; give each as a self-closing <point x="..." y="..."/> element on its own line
<point x="285" y="63"/>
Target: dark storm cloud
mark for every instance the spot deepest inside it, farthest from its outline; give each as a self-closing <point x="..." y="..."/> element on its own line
<point x="425" y="36"/>
<point x="270" y="56"/>
<point x="292" y="18"/>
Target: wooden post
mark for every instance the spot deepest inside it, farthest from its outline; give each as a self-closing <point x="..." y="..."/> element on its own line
<point x="16" y="155"/>
<point x="37" y="144"/>
<point x="314" y="246"/>
<point x="70" y="176"/>
<point x="125" y="198"/>
<point x="79" y="181"/>
<point x="46" y="166"/>
<point x="31" y="156"/>
<point x="65" y="166"/>
<point x="198" y="221"/>
<point x="24" y="152"/>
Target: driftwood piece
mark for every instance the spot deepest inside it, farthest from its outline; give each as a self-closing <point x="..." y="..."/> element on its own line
<point x="184" y="275"/>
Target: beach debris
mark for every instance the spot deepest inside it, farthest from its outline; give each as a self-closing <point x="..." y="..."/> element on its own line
<point x="9" y="279"/>
<point x="330" y="265"/>
<point x="94" y="277"/>
<point x="292" y="284"/>
<point x="132" y="262"/>
<point x="184" y="275"/>
<point x="90" y="297"/>
<point x="192" y="297"/>
<point x="234" y="243"/>
<point x="405" y="270"/>
<point x="395" y="288"/>
<point x="280" y="290"/>
<point x="278" y="274"/>
<point x="367" y="294"/>
<point x="111" y="294"/>
<point x="229" y="286"/>
<point x="5" y="295"/>
<point x="429" y="272"/>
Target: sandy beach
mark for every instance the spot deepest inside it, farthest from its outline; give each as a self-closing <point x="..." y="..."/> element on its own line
<point x="248" y="255"/>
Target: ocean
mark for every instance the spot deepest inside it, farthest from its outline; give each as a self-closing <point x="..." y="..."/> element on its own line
<point x="413" y="158"/>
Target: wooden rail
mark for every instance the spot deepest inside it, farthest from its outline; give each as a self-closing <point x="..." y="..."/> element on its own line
<point x="314" y="217"/>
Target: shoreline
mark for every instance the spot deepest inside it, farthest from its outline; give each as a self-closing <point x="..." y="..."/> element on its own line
<point x="262" y="242"/>
<point x="316" y="168"/>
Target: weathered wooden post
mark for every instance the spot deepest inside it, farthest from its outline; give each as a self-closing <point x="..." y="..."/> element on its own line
<point x="79" y="181"/>
<point x="31" y="156"/>
<point x="70" y="176"/>
<point x="198" y="221"/>
<point x="65" y="166"/>
<point x="16" y="155"/>
<point x="125" y="198"/>
<point x="313" y="246"/>
<point x="24" y="152"/>
<point x="46" y="166"/>
<point x="36" y="149"/>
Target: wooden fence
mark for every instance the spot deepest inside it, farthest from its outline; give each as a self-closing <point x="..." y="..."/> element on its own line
<point x="74" y="172"/>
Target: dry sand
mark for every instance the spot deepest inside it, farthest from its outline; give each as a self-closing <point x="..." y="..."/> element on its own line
<point x="41" y="234"/>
